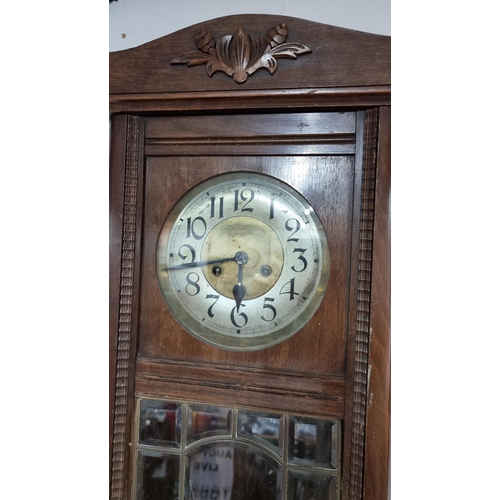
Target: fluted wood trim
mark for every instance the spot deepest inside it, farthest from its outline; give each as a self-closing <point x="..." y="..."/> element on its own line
<point x="362" y="335"/>
<point x="123" y="379"/>
<point x="378" y="408"/>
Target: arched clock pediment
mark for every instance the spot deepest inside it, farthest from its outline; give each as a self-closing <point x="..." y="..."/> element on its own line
<point x="338" y="57"/>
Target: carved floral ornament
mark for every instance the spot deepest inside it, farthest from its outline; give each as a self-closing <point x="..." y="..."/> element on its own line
<point x="241" y="55"/>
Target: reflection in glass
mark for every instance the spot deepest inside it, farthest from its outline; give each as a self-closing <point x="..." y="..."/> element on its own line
<point x="160" y="423"/>
<point x="231" y="471"/>
<point x="310" y="442"/>
<point x="264" y="428"/>
<point x="157" y="475"/>
<point x="311" y="486"/>
<point x="200" y="452"/>
<point x="335" y="444"/>
<point x="206" y="421"/>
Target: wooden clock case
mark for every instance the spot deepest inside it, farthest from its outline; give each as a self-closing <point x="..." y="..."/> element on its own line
<point x="320" y="121"/>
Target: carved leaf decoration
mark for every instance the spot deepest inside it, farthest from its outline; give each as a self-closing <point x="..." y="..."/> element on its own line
<point x="192" y="59"/>
<point x="222" y="61"/>
<point x="239" y="50"/>
<point x="241" y="55"/>
<point x="205" y="42"/>
<point x="277" y="35"/>
<point x="289" y="50"/>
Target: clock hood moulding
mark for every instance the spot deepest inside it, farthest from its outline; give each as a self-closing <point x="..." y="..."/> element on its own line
<point x="147" y="69"/>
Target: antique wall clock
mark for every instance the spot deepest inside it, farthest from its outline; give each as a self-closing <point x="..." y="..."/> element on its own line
<point x="249" y="269"/>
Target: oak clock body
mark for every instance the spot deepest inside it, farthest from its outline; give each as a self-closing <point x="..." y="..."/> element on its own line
<point x="249" y="302"/>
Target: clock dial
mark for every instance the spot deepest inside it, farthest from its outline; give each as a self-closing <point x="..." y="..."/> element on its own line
<point x="242" y="261"/>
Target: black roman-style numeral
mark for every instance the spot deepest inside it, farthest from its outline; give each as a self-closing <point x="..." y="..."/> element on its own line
<point x="246" y="196"/>
<point x="196" y="228"/>
<point x="192" y="288"/>
<point x="292" y="225"/>
<point x="269" y="307"/>
<point x="242" y="317"/>
<point x="213" y="207"/>
<point x="210" y="309"/>
<point x="291" y="289"/>
<point x="301" y="258"/>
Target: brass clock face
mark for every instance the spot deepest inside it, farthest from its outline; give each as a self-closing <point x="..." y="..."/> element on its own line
<point x="242" y="261"/>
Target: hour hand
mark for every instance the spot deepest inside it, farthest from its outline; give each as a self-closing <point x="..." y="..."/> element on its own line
<point x="239" y="289"/>
<point x="200" y="263"/>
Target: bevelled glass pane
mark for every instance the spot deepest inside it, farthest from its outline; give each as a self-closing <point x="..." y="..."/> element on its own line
<point x="335" y="444"/>
<point x="157" y="475"/>
<point x="207" y="421"/>
<point x="311" y="485"/>
<point x="231" y="471"/>
<point x="160" y="423"/>
<point x="264" y="428"/>
<point x="310" y="442"/>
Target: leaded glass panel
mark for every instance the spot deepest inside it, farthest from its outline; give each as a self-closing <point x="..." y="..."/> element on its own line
<point x="191" y="452"/>
<point x="264" y="428"/>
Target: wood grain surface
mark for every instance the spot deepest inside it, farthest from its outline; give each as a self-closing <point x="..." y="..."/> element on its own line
<point x="339" y="58"/>
<point x="314" y="348"/>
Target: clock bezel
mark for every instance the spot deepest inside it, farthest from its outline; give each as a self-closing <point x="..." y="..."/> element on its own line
<point x="208" y="335"/>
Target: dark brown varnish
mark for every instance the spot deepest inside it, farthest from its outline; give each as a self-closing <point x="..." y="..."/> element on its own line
<point x="321" y="123"/>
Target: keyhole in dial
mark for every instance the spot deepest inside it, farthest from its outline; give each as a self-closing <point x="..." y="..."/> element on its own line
<point x="216" y="271"/>
<point x="266" y="270"/>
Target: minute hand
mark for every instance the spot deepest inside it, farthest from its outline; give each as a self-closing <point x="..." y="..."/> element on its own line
<point x="200" y="263"/>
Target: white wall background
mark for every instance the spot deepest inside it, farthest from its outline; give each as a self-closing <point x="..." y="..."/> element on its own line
<point x="134" y="22"/>
<point x="445" y="218"/>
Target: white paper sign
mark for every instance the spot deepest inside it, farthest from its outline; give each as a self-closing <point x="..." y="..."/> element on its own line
<point x="212" y="473"/>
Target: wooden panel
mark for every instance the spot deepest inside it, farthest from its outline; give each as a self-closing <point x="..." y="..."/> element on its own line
<point x="270" y="134"/>
<point x="378" y="404"/>
<point x="251" y="387"/>
<point x="206" y="374"/>
<point x="339" y="58"/>
<point x="258" y="148"/>
<point x="254" y="399"/>
<point x="321" y="346"/>
<point x="240" y="126"/>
